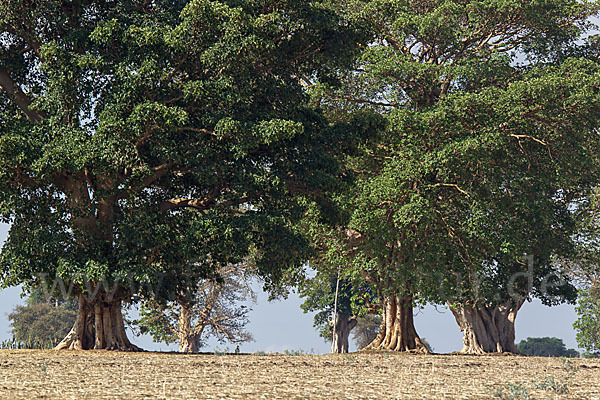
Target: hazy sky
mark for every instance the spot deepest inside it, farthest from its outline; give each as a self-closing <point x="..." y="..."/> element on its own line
<point x="281" y="325"/>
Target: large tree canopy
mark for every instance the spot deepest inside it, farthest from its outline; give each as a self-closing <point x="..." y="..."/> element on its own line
<point x="118" y="117"/>
<point x="492" y="109"/>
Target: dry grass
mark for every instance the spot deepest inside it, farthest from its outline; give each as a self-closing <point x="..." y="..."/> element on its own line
<point x="93" y="375"/>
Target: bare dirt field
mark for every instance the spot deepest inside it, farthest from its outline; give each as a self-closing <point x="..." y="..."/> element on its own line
<point x="30" y="374"/>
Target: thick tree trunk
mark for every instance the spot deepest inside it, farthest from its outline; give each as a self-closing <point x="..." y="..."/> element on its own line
<point x="188" y="341"/>
<point x="188" y="344"/>
<point x="99" y="326"/>
<point x="397" y="331"/>
<point x="340" y="330"/>
<point x="487" y="329"/>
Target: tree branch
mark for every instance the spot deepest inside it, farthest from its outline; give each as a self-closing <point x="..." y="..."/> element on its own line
<point x="366" y="101"/>
<point x="197" y="130"/>
<point x="157" y="173"/>
<point x="529" y="137"/>
<point x="454" y="185"/>
<point x="24" y="179"/>
<point x="20" y="98"/>
<point x="182" y="202"/>
<point x="198" y="204"/>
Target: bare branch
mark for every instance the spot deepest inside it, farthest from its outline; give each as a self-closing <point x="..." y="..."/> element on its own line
<point x="366" y="101"/>
<point x="197" y="130"/>
<point x="200" y="204"/>
<point x="454" y="185"/>
<point x="529" y="137"/>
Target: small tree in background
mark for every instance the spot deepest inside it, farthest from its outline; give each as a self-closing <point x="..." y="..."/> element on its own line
<point x="213" y="309"/>
<point x="588" y="309"/>
<point x="353" y="298"/>
<point x="319" y="296"/>
<point x="588" y="324"/>
<point x="545" y="347"/>
<point x="584" y="268"/>
<point x="366" y="330"/>
<point x="43" y="322"/>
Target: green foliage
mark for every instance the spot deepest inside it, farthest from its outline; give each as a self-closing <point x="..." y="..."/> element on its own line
<point x="545" y="347"/>
<point x="489" y="139"/>
<point x="559" y="386"/>
<point x="39" y="295"/>
<point x="41" y="325"/>
<point x="135" y="137"/>
<point x="510" y="391"/>
<point x="588" y="323"/>
<point x="330" y="263"/>
<point x="584" y="266"/>
<point x="552" y="384"/>
<point x="319" y="295"/>
<point x="134" y="133"/>
<point x="292" y="352"/>
<point x="42" y="322"/>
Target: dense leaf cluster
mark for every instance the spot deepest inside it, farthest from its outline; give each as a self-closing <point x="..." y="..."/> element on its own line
<point x="545" y="347"/>
<point x="441" y="151"/>
<point x="137" y="136"/>
<point x="490" y="140"/>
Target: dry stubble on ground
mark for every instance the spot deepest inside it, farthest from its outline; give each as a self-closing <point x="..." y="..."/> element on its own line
<point x="105" y="375"/>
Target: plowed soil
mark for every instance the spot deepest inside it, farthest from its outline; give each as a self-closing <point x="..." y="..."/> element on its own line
<point x="30" y="374"/>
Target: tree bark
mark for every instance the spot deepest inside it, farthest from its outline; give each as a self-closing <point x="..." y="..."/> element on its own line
<point x="397" y="330"/>
<point x="20" y="98"/>
<point x="188" y="340"/>
<point x="99" y="326"/>
<point x="340" y="330"/>
<point x="487" y="329"/>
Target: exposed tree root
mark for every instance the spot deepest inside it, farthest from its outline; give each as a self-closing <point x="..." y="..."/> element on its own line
<point x="99" y="326"/>
<point x="487" y="329"/>
<point x="397" y="330"/>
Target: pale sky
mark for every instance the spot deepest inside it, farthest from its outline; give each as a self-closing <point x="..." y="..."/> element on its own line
<point x="281" y="325"/>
